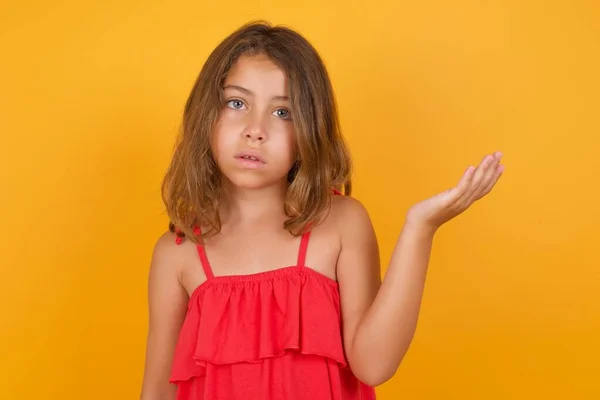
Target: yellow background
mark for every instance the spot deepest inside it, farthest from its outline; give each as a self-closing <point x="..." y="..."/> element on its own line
<point x="90" y="100"/>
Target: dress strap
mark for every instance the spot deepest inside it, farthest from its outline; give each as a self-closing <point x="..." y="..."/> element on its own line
<point x="203" y="258"/>
<point x="303" y="249"/>
<point x="305" y="237"/>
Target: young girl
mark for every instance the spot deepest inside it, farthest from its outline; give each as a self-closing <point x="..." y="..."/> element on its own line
<point x="267" y="285"/>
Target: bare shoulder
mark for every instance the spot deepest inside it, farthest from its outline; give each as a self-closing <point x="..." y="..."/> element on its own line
<point x="359" y="246"/>
<point x="166" y="245"/>
<point x="167" y="254"/>
<point x="348" y="214"/>
<point x="180" y="261"/>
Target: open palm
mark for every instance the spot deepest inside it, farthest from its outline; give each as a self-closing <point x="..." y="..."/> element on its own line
<point x="474" y="184"/>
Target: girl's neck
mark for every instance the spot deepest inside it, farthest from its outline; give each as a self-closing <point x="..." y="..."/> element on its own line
<point x="252" y="206"/>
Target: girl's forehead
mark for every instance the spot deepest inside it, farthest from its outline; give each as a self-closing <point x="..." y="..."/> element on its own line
<point x="257" y="74"/>
<point x="255" y="65"/>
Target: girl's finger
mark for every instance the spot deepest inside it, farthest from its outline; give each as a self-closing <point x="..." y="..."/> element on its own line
<point x="487" y="178"/>
<point x="497" y="174"/>
<point x="466" y="180"/>
<point x="479" y="173"/>
<point x="461" y="190"/>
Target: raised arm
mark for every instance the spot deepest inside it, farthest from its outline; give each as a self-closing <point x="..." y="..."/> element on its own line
<point x="380" y="322"/>
<point x="167" y="305"/>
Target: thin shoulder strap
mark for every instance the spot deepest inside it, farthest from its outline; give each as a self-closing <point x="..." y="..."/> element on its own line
<point x="305" y="238"/>
<point x="203" y="258"/>
<point x="303" y="249"/>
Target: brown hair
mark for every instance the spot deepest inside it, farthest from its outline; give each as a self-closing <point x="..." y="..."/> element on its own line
<point x="191" y="187"/>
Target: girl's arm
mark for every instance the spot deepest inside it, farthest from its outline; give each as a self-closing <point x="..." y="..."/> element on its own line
<point x="380" y="320"/>
<point x="167" y="304"/>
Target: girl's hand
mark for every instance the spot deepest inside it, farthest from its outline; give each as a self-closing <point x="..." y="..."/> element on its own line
<point x="441" y="208"/>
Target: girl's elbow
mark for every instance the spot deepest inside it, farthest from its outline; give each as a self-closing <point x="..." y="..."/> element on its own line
<point x="374" y="368"/>
<point x="375" y="379"/>
<point x="374" y="375"/>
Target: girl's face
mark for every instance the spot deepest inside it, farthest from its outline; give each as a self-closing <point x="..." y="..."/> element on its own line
<point x="254" y="142"/>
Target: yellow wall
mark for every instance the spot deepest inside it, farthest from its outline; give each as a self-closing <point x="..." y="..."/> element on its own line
<point x="90" y="96"/>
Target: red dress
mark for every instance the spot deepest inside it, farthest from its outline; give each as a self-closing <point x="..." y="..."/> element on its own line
<point x="269" y="335"/>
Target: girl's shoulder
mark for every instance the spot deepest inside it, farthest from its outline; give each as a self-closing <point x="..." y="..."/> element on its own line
<point x="347" y="220"/>
<point x="168" y="246"/>
<point x="347" y="211"/>
<point x="172" y="255"/>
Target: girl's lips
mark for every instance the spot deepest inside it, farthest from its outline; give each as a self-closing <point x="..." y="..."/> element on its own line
<point x="250" y="160"/>
<point x="252" y="155"/>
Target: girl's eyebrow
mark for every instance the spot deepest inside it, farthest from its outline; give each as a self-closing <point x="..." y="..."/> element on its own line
<point x="249" y="92"/>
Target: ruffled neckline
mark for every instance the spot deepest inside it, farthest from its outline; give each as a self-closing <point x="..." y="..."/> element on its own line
<point x="263" y="275"/>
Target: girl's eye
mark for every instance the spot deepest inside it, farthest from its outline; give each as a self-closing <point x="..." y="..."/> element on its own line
<point x="235" y="104"/>
<point x="283" y="113"/>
